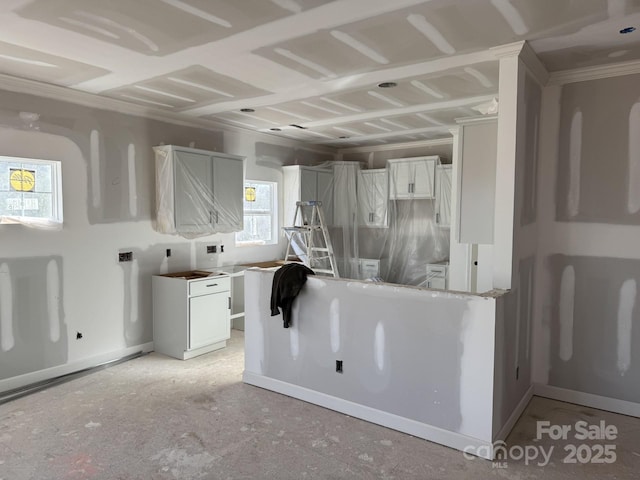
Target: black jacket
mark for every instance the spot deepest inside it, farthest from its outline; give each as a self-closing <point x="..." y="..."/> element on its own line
<point x="287" y="283"/>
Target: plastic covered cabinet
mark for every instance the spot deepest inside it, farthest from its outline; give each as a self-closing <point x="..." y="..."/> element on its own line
<point x="198" y="192"/>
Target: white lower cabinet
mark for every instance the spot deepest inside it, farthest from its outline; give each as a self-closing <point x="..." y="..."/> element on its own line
<point x="191" y="313"/>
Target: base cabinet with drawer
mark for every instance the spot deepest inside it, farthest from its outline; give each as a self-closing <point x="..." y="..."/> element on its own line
<point x="191" y="313"/>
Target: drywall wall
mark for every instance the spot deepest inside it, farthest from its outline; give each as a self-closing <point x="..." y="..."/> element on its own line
<point x="65" y="300"/>
<point x="585" y="302"/>
<point x="407" y="353"/>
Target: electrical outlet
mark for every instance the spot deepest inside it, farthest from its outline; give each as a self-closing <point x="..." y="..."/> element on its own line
<point x="339" y="366"/>
<point x="221" y="248"/>
<point x="125" y="256"/>
<point x="168" y="252"/>
<point x="212" y="249"/>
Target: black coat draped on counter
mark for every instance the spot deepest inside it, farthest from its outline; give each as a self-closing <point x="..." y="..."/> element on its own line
<point x="287" y="283"/>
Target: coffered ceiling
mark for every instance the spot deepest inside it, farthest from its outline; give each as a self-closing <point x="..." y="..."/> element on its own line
<point x="308" y="69"/>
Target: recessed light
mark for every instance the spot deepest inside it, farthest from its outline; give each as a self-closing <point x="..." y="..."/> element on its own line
<point x="628" y="30"/>
<point x="343" y="137"/>
<point x="275" y="129"/>
<point x="298" y="126"/>
<point x="247" y="110"/>
<point x="387" y="84"/>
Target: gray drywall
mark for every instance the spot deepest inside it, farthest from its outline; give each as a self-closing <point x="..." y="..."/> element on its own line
<point x="33" y="330"/>
<point x="598" y="152"/>
<point x="593" y="313"/>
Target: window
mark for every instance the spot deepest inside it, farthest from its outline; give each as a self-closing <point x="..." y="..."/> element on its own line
<point x="260" y="219"/>
<point x="30" y="191"/>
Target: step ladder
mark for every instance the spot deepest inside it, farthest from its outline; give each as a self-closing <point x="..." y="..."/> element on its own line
<point x="310" y="235"/>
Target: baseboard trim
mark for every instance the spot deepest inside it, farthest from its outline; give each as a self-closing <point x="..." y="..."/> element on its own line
<point x="447" y="438"/>
<point x="57" y="371"/>
<point x="515" y="415"/>
<point x="588" y="400"/>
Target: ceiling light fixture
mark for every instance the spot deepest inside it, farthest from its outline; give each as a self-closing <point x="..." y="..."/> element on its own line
<point x="628" y="30"/>
<point x="343" y="137"/>
<point x="275" y="129"/>
<point x="387" y="84"/>
<point x="297" y="126"/>
<point x="247" y="110"/>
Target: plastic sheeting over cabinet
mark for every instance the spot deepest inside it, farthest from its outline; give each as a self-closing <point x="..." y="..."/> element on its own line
<point x="198" y="192"/>
<point x="395" y="215"/>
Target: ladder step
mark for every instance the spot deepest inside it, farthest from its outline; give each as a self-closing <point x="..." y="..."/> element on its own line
<point x="318" y="270"/>
<point x="302" y="229"/>
<point x="319" y="249"/>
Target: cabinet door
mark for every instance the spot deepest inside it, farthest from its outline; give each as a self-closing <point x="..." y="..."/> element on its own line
<point x="373" y="198"/>
<point x="228" y="190"/>
<point x="401" y="178"/>
<point x="209" y="319"/>
<point x="443" y="195"/>
<point x="325" y="194"/>
<point x="424" y="178"/>
<point x="365" y="198"/>
<point x="193" y="192"/>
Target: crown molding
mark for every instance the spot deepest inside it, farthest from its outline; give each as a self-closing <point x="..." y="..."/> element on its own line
<point x="508" y="50"/>
<point x="91" y="100"/>
<point x="594" y="73"/>
<point x="398" y="146"/>
<point x="477" y="119"/>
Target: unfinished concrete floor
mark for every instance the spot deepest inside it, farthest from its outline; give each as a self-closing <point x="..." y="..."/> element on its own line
<point x="160" y="418"/>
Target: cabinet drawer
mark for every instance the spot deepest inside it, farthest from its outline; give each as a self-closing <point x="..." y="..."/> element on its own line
<point x="209" y="285"/>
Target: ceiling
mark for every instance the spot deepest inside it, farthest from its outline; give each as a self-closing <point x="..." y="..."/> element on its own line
<point x="308" y="68"/>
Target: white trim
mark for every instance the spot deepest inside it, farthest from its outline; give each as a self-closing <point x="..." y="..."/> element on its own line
<point x="477" y="119"/>
<point x="594" y="73"/>
<point x="379" y="417"/>
<point x="91" y="100"/>
<point x="508" y="50"/>
<point x="615" y="405"/>
<point x="515" y="415"/>
<point x="53" y="372"/>
<point x="398" y="146"/>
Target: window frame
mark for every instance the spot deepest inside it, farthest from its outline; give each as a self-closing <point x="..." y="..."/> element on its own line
<point x="272" y="213"/>
<point x="56" y="192"/>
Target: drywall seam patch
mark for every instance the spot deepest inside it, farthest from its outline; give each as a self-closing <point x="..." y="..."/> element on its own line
<point x="627" y="302"/>
<point x="360" y="47"/>
<point x="53" y="300"/>
<point x="379" y="346"/>
<point x="575" y="157"/>
<point x="94" y="160"/>
<point x="334" y="324"/>
<point x="567" y="298"/>
<point x="420" y="23"/>
<point x="633" y="194"/>
<point x="133" y="191"/>
<point x="511" y="15"/>
<point x="7" y="340"/>
<point x="134" y="282"/>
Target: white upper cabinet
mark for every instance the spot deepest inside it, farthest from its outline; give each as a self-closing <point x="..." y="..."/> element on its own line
<point x="443" y="195"/>
<point x="373" y="197"/>
<point x="412" y="178"/>
<point x="303" y="184"/>
<point x="198" y="192"/>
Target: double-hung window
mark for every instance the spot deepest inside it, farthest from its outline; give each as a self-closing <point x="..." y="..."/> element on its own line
<point x="30" y="191"/>
<point x="260" y="214"/>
